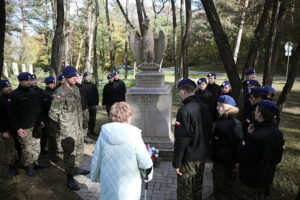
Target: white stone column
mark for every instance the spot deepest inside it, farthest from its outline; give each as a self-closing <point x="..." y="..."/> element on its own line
<point x="15" y="69"/>
<point x="5" y="72"/>
<point x="24" y="68"/>
<point x="30" y="68"/>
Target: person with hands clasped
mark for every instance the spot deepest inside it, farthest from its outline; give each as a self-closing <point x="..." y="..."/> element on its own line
<point x="192" y="142"/>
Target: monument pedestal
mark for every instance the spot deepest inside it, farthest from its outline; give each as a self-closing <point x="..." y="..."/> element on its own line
<point x="151" y="100"/>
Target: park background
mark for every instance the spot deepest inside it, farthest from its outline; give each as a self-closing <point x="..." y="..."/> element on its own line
<point x="92" y="35"/>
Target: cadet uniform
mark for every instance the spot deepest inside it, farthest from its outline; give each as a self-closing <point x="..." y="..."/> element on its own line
<point x="8" y="153"/>
<point x="110" y="94"/>
<point x="93" y="101"/>
<point x="213" y="88"/>
<point x="191" y="147"/>
<point x="84" y="94"/>
<point x="66" y="110"/>
<point x="226" y="140"/>
<point x="121" y="88"/>
<point x="23" y="109"/>
<point x="259" y="155"/>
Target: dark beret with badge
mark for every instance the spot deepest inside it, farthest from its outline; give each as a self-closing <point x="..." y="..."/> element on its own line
<point x="225" y="83"/>
<point x="253" y="83"/>
<point x="249" y="71"/>
<point x="60" y="77"/>
<point x="109" y="76"/>
<point x="212" y="74"/>
<point x="116" y="73"/>
<point x="226" y="99"/>
<point x="4" y="83"/>
<point x="24" y="76"/>
<point x="186" y="81"/>
<point x="201" y="80"/>
<point x="86" y="74"/>
<point x="49" y="79"/>
<point x="69" y="72"/>
<point x="269" y="105"/>
<point x="269" y="89"/>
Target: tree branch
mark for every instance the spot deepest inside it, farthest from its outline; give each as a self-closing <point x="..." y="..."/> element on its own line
<point x="124" y="14"/>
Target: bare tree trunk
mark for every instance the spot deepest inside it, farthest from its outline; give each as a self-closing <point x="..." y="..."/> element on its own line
<point x="295" y="63"/>
<point x="89" y="37"/>
<point x="185" y="39"/>
<point x="79" y="53"/>
<point x="2" y="33"/>
<point x="258" y="37"/>
<point x="111" y="47"/>
<point x="140" y="15"/>
<point x="125" y="14"/>
<point x="58" y="40"/>
<point x="224" y="49"/>
<point x="95" y="63"/>
<point x="267" y="78"/>
<point x="180" y="72"/>
<point x="68" y="31"/>
<point x="126" y="42"/>
<point x="240" y="33"/>
<point x="174" y="44"/>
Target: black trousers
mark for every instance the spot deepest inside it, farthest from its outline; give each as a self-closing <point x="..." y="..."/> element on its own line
<point x="92" y="120"/>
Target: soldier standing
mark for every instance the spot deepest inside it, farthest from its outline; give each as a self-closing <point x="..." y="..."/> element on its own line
<point x="205" y="95"/>
<point x="212" y="86"/>
<point x="121" y="88"/>
<point x="8" y="153"/>
<point x="192" y="142"/>
<point x="23" y="110"/>
<point x="110" y="94"/>
<point x="66" y="110"/>
<point x="93" y="101"/>
<point x="226" y="88"/>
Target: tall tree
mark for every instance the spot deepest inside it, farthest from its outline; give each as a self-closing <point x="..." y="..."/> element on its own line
<point x="95" y="63"/>
<point x="58" y="40"/>
<point x="126" y="41"/>
<point x="174" y="43"/>
<point x="111" y="46"/>
<point x="68" y="32"/>
<point x="253" y="52"/>
<point x="295" y="64"/>
<point x="2" y="33"/>
<point x="224" y="48"/>
<point x="185" y="39"/>
<point x="89" y="37"/>
<point x="125" y="14"/>
<point x="240" y="32"/>
<point x="267" y="78"/>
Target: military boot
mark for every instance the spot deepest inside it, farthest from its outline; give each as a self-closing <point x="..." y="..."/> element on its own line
<point x="71" y="182"/>
<point x="79" y="171"/>
<point x="30" y="171"/>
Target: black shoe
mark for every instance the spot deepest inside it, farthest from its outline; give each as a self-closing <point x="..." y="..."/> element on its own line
<point x="71" y="182"/>
<point x="79" y="171"/>
<point x="30" y="171"/>
<point x="54" y="158"/>
<point x="41" y="165"/>
<point x="13" y="172"/>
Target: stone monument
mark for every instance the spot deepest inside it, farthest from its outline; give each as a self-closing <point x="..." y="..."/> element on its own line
<point x="151" y="98"/>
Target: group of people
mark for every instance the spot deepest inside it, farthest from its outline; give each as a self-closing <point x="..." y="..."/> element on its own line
<point x="55" y="120"/>
<point x="244" y="153"/>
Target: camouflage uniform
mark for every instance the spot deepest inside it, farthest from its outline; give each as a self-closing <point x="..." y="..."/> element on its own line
<point x="85" y="123"/>
<point x="30" y="147"/>
<point x="67" y="112"/>
<point x="189" y="185"/>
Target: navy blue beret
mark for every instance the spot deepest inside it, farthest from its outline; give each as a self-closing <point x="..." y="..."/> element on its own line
<point x="116" y="72"/>
<point x="109" y="76"/>
<point x="211" y="74"/>
<point x="69" y="71"/>
<point x="24" y="76"/>
<point x="269" y="89"/>
<point x="49" y="79"/>
<point x="86" y="74"/>
<point x="4" y="83"/>
<point x="186" y="81"/>
<point x="249" y="71"/>
<point x="225" y="83"/>
<point x="269" y="105"/>
<point x="226" y="99"/>
<point x="201" y="80"/>
<point x="60" y="77"/>
<point x="252" y="82"/>
<point x="258" y="90"/>
<point x="33" y="76"/>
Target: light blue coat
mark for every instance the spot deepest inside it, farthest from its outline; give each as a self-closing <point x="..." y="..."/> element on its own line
<point x="118" y="155"/>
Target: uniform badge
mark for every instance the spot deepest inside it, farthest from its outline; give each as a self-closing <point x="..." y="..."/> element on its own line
<point x="243" y="143"/>
<point x="177" y="124"/>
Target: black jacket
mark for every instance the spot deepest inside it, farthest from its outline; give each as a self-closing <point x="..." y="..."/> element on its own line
<point x="226" y="141"/>
<point x="192" y="132"/>
<point x="259" y="154"/>
<point x="42" y="95"/>
<point x="4" y="119"/>
<point x="207" y="98"/>
<point x="47" y="101"/>
<point x="121" y="90"/>
<point x="84" y="93"/>
<point x="23" y="108"/>
<point x="110" y="94"/>
<point x="93" y="95"/>
<point x="214" y="89"/>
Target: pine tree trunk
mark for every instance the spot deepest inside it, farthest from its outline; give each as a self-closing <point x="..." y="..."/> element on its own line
<point x="58" y="40"/>
<point x="111" y="48"/>
<point x="89" y="37"/>
<point x="79" y="53"/>
<point x="185" y="40"/>
<point x="224" y="49"/>
<point x="2" y="33"/>
<point x="68" y="31"/>
<point x="174" y="43"/>
<point x="95" y="63"/>
<point x="126" y="42"/>
<point x="267" y="78"/>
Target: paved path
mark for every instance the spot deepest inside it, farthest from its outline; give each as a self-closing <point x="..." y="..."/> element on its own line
<point x="163" y="186"/>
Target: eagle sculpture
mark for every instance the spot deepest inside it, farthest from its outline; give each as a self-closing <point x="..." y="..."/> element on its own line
<point x="147" y="50"/>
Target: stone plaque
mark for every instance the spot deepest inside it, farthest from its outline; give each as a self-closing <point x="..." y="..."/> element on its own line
<point x="150" y="79"/>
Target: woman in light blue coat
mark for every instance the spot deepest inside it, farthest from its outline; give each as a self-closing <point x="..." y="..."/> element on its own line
<point x="118" y="155"/>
